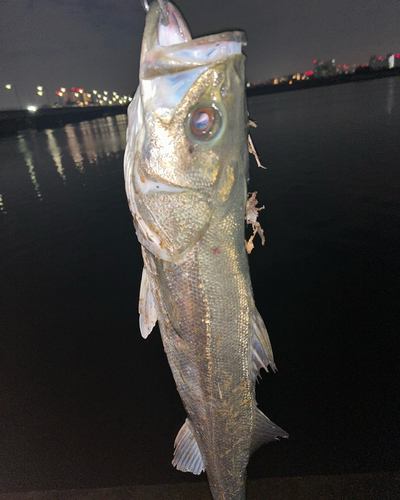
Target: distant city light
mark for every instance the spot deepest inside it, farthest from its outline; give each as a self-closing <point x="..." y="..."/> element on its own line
<point x="322" y="69"/>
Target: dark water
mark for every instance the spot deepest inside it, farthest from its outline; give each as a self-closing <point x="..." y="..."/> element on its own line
<point x="86" y="402"/>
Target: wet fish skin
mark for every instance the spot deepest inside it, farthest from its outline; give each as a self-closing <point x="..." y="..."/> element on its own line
<point x="188" y="197"/>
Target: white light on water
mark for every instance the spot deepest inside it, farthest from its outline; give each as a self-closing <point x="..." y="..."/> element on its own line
<point x="32" y="109"/>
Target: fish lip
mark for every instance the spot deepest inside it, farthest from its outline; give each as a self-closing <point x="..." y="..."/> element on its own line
<point x="154" y="31"/>
<point x="182" y="53"/>
<point x="154" y="25"/>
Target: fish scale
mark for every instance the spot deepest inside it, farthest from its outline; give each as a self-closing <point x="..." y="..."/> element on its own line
<point x="186" y="186"/>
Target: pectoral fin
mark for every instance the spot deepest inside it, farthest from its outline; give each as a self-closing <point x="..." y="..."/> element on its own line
<point x="261" y="349"/>
<point x="147" y="306"/>
<point x="187" y="456"/>
<point x="265" y="431"/>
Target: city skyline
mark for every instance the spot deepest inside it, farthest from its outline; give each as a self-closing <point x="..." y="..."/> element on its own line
<point x="45" y="97"/>
<point x="55" y="43"/>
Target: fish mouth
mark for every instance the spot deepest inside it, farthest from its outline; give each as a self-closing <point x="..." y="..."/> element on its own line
<point x="175" y="31"/>
<point x="170" y="48"/>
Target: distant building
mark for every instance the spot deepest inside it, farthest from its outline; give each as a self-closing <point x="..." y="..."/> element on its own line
<point x="345" y="68"/>
<point x="378" y="62"/>
<point x="324" y="68"/>
<point x="76" y="97"/>
<point x="393" y="60"/>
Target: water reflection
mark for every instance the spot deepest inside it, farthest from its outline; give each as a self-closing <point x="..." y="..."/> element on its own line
<point x="390" y="96"/>
<point x="97" y="143"/>
<point x="89" y="142"/>
<point x="115" y="138"/>
<point x="74" y="148"/>
<point x="55" y="152"/>
<point x="28" y="157"/>
<point x="2" y="207"/>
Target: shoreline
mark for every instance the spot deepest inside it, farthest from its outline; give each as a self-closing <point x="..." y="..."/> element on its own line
<point x="360" y="75"/>
<point x="14" y="121"/>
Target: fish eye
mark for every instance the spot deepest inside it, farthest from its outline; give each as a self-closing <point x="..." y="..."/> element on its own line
<point x="204" y="122"/>
<point x="201" y="121"/>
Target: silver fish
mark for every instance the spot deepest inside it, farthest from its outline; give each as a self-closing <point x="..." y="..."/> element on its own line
<point x="185" y="168"/>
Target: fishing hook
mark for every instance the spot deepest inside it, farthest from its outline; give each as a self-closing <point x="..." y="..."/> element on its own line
<point x="163" y="9"/>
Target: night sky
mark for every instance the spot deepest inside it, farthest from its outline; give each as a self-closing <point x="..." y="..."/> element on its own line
<point x="95" y="44"/>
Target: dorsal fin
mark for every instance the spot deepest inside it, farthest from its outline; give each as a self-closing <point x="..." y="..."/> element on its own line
<point x="261" y="349"/>
<point x="187" y="456"/>
<point x="147" y="306"/>
<point x="265" y="431"/>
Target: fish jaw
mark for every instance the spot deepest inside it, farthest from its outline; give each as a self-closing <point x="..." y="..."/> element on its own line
<point x="171" y="61"/>
<point x="174" y="182"/>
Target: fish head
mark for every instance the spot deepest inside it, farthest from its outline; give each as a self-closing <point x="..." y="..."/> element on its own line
<point x="186" y="155"/>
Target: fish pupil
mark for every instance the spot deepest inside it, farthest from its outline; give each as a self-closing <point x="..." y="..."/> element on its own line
<point x="202" y="120"/>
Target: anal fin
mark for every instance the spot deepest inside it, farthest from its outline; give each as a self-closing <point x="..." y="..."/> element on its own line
<point x="147" y="306"/>
<point x="187" y="456"/>
<point x="265" y="431"/>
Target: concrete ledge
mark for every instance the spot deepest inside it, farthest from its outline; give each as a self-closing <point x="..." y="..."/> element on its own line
<point x="343" y="487"/>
